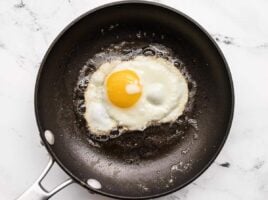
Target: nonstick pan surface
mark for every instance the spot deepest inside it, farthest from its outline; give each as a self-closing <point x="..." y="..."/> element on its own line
<point x="139" y="164"/>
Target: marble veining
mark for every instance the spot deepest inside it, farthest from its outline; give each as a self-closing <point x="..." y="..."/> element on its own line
<point x="240" y="28"/>
<point x="224" y="164"/>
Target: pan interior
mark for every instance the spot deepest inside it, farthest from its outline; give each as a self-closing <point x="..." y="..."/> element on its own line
<point x="151" y="169"/>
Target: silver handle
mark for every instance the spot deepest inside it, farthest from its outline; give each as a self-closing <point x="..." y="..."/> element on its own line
<point x="38" y="192"/>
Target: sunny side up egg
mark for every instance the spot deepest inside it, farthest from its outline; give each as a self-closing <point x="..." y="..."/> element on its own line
<point x="134" y="94"/>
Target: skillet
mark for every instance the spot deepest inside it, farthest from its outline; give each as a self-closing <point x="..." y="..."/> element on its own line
<point x="157" y="164"/>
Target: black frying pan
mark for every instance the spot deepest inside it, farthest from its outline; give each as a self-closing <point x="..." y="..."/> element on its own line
<point x="157" y="164"/>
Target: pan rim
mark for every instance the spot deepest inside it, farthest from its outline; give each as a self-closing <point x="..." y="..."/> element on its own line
<point x="193" y="22"/>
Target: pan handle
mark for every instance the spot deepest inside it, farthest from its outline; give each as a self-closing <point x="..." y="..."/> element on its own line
<point x="38" y="192"/>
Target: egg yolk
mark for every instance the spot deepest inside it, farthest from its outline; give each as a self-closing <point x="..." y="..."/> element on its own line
<point x="123" y="88"/>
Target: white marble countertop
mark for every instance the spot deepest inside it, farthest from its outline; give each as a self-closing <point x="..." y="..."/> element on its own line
<point x="239" y="27"/>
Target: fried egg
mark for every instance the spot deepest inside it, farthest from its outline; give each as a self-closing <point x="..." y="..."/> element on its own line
<point x="134" y="94"/>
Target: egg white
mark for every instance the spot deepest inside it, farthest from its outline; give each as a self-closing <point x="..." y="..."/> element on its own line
<point x="163" y="99"/>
